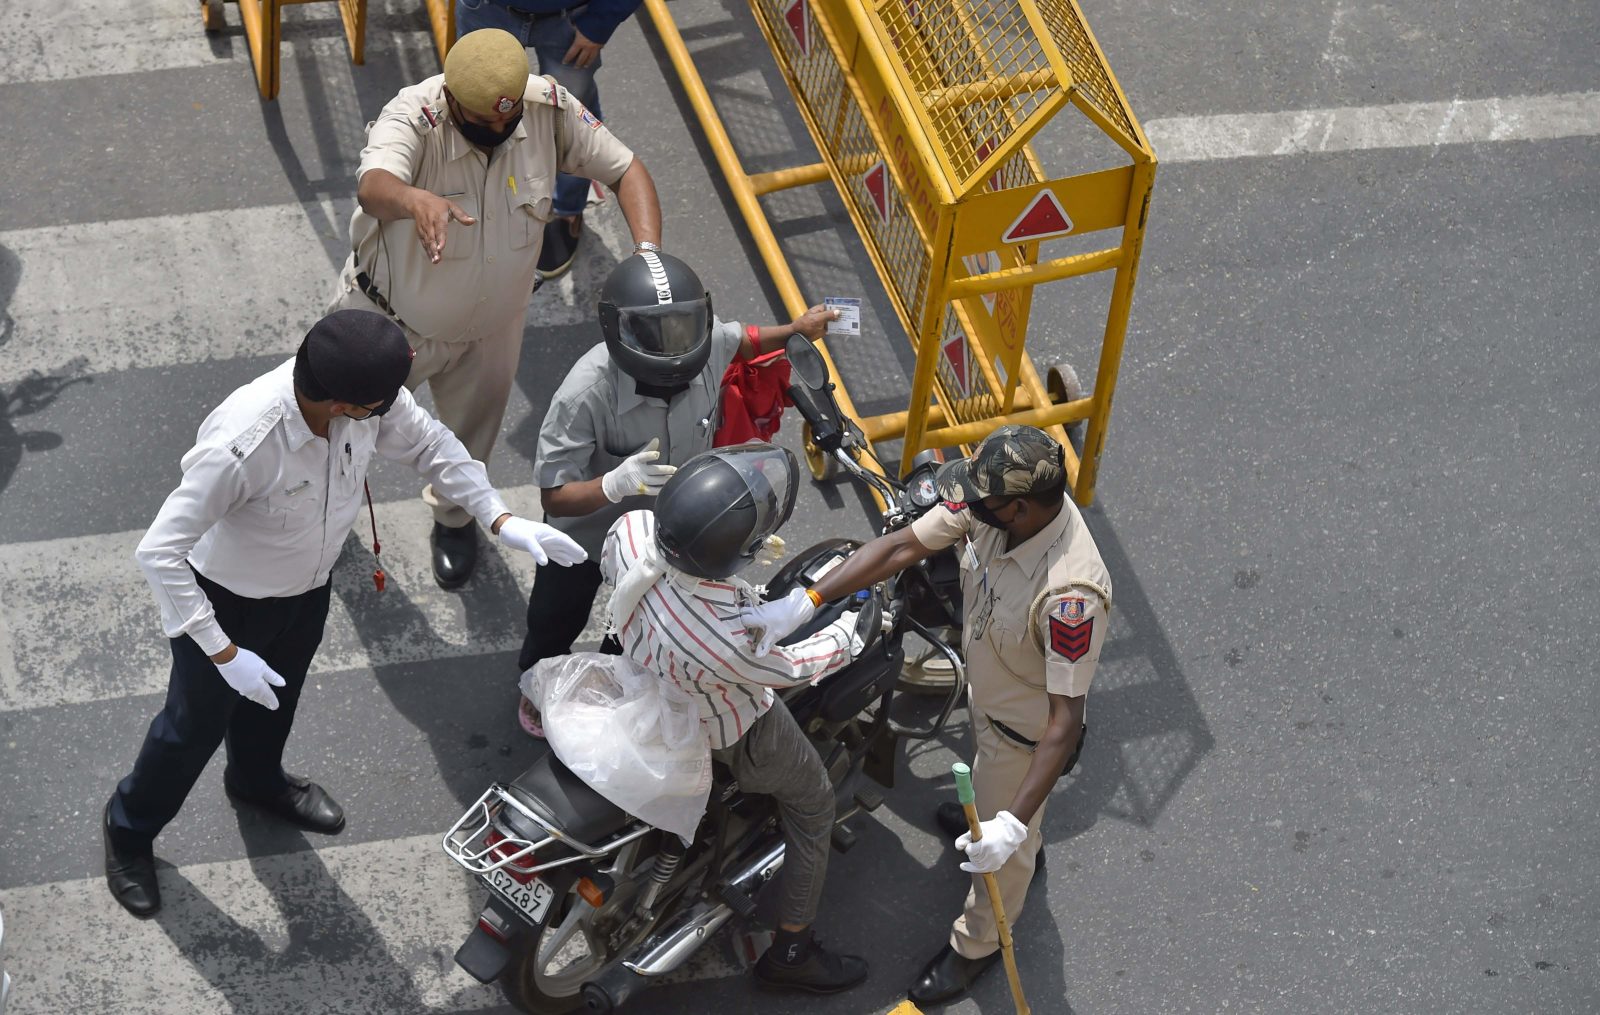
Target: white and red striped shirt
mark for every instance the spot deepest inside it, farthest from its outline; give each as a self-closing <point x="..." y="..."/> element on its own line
<point x="688" y="630"/>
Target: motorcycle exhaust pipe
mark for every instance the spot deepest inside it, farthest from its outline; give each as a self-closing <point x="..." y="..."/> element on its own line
<point x="612" y="990"/>
<point x="667" y="951"/>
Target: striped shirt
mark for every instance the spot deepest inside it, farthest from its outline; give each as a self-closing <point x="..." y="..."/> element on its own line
<point x="688" y="631"/>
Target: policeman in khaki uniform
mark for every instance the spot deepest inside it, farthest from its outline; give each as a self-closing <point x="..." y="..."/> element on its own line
<point x="455" y="190"/>
<point x="1037" y="596"/>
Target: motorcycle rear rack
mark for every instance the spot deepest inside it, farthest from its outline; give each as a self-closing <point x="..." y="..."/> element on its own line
<point x="467" y="840"/>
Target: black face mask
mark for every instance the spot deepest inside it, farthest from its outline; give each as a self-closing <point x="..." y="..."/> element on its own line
<point x="985" y="515"/>
<point x="486" y="137"/>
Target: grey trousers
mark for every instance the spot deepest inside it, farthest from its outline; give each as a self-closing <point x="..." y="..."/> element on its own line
<point x="775" y="758"/>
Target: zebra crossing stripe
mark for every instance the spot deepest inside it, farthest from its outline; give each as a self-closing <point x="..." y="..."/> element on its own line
<point x="205" y="286"/>
<point x="67" y="39"/>
<point x="1402" y="125"/>
<point x="360" y="928"/>
<point x="109" y="644"/>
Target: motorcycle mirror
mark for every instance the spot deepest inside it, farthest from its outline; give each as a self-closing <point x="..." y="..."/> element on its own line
<point x="807" y="362"/>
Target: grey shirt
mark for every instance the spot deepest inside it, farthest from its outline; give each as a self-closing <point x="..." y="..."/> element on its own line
<point x="597" y="418"/>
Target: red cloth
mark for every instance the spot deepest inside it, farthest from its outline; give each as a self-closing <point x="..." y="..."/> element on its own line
<point x="754" y="393"/>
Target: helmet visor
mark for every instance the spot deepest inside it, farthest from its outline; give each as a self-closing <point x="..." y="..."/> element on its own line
<point x="772" y="477"/>
<point x="667" y="330"/>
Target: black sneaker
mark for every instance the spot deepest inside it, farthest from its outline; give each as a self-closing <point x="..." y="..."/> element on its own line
<point x="561" y="236"/>
<point x="818" y="971"/>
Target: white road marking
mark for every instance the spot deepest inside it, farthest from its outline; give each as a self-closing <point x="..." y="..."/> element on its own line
<point x="213" y="285"/>
<point x="66" y="39"/>
<point x="362" y="928"/>
<point x="1405" y="125"/>
<point x="48" y="657"/>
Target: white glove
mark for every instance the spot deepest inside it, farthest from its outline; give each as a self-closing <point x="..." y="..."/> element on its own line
<point x="545" y="543"/>
<point x="771" y="622"/>
<point x="636" y="475"/>
<point x="1001" y="837"/>
<point x="250" y="675"/>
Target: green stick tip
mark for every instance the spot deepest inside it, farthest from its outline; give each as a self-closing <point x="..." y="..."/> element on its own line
<point x="963" y="776"/>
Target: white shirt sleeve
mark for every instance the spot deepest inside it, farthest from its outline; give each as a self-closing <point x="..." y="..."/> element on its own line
<point x="407" y="433"/>
<point x="804" y="662"/>
<point x="214" y="483"/>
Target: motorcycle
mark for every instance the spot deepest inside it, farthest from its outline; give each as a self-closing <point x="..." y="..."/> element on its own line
<point x="587" y="906"/>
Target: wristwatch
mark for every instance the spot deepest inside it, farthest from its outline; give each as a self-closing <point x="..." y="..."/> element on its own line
<point x="654" y="248"/>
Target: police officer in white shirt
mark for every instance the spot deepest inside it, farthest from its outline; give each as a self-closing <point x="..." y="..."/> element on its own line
<point x="240" y="557"/>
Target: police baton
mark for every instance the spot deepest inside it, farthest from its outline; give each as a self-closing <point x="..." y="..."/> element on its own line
<point x="964" y="793"/>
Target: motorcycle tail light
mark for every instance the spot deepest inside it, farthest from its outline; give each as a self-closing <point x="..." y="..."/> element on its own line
<point x="501" y="848"/>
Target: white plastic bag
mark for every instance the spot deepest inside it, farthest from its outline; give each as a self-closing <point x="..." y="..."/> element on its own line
<point x="633" y="737"/>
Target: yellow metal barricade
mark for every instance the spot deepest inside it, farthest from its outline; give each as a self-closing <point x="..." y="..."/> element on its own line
<point x="924" y="112"/>
<point x="263" y="30"/>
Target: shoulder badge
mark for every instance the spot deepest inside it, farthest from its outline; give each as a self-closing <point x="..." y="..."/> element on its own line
<point x="551" y="93"/>
<point x="252" y="436"/>
<point x="427" y="118"/>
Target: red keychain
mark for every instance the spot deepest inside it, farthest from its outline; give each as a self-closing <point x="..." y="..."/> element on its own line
<point x="378" y="577"/>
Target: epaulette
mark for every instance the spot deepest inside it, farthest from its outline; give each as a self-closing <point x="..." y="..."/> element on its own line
<point x="252" y="436"/>
<point x="427" y="118"/>
<point x="551" y="94"/>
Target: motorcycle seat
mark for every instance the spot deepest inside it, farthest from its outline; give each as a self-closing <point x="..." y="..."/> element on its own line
<point x="552" y="791"/>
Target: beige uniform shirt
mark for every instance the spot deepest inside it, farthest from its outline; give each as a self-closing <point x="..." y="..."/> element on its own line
<point x="485" y="272"/>
<point x="1035" y="614"/>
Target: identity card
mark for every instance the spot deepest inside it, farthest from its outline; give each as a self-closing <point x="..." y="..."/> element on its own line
<point x="849" y="322"/>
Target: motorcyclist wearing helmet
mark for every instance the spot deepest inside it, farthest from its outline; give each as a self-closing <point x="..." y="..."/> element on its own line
<point x="675" y="610"/>
<point x="631" y="409"/>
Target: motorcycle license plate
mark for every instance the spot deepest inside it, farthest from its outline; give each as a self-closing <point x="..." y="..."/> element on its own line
<point x="532" y="898"/>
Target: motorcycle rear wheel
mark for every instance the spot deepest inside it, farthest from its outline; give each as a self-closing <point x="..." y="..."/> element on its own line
<point x="547" y="976"/>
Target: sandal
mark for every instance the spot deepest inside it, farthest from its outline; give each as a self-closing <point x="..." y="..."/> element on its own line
<point x="528" y="719"/>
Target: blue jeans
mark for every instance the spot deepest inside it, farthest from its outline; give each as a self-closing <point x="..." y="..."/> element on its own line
<point x="549" y="38"/>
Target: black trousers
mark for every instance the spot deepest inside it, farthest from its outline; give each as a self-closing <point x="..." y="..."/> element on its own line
<point x="202" y="711"/>
<point x="558" y="609"/>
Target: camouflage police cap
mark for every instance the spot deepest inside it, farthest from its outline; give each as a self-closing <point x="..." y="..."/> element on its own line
<point x="1012" y="461"/>
<point x="487" y="71"/>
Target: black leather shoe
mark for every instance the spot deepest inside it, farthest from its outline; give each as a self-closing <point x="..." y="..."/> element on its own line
<point x="949" y="976"/>
<point x="130" y="873"/>
<point x="455" y="553"/>
<point x="303" y="803"/>
<point x="819" y="971"/>
<point x="561" y="236"/>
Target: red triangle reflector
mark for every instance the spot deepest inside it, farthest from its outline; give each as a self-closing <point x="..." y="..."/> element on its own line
<point x="877" y="183"/>
<point x="1042" y="219"/>
<point x="794" y="16"/>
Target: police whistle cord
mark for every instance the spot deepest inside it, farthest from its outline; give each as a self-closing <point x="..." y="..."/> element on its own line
<point x="378" y="577"/>
<point x="968" y="799"/>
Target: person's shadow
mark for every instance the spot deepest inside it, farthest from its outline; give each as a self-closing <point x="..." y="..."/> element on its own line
<point x="32" y="394"/>
<point x="322" y="929"/>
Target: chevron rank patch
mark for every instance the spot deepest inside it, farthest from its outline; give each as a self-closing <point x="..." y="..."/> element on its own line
<point x="1071" y="641"/>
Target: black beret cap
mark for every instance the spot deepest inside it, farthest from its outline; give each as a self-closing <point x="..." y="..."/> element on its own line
<point x="353" y="356"/>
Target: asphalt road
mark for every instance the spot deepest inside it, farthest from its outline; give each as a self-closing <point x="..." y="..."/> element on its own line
<point x="1343" y="753"/>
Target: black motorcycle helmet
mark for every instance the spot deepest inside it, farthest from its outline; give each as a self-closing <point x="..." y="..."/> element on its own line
<point x="718" y="509"/>
<point x="656" y="317"/>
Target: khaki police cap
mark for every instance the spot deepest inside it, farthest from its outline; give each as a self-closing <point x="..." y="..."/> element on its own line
<point x="487" y="71"/>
